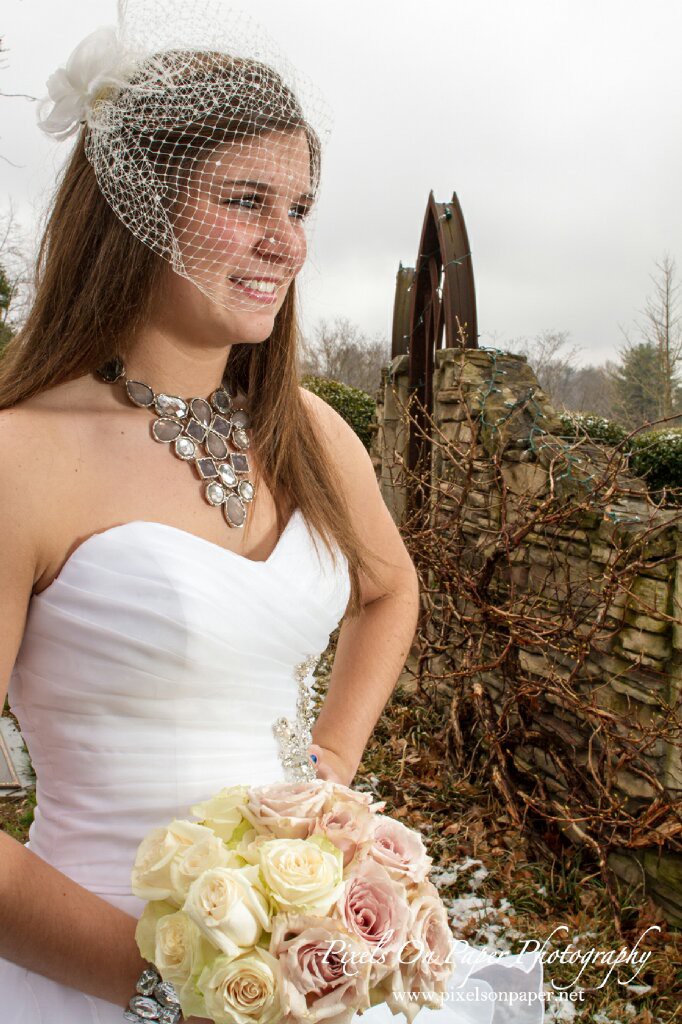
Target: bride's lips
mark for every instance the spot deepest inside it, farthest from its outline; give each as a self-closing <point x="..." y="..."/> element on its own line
<point x="259" y="296"/>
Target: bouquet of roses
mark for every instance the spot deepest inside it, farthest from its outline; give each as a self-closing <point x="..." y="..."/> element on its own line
<point x="292" y="902"/>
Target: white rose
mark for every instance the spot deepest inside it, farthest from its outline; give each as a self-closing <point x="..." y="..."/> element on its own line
<point x="181" y="950"/>
<point x="246" y="846"/>
<point x="243" y="990"/>
<point x="145" y="930"/>
<point x="223" y="813"/>
<point x="302" y="874"/>
<point x="229" y="907"/>
<point x="170" y="858"/>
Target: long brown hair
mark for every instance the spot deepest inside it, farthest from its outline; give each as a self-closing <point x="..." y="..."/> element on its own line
<point x="94" y="287"/>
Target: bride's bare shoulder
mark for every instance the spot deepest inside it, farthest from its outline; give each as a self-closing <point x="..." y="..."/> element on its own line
<point x="36" y="437"/>
<point x="27" y="448"/>
<point x="26" y="430"/>
<point x="41" y="441"/>
<point x="31" y="435"/>
<point x="49" y="416"/>
<point x="65" y="397"/>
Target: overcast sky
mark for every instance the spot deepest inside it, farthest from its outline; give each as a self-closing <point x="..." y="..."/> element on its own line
<point x="558" y="125"/>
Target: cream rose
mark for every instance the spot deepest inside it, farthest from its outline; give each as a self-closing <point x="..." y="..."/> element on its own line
<point x="145" y="930"/>
<point x="170" y="858"/>
<point x="223" y="813"/>
<point x="242" y="990"/>
<point x="304" y="875"/>
<point x="181" y="950"/>
<point x="246" y="846"/>
<point x="176" y="953"/>
<point x="229" y="907"/>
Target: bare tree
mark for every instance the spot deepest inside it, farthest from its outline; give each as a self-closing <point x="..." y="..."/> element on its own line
<point x="553" y="368"/>
<point x="589" y="390"/>
<point x="661" y="326"/>
<point x="341" y="351"/>
<point x="16" y="263"/>
<point x="10" y="95"/>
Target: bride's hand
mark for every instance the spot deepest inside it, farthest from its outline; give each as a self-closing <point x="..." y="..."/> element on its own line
<point x="332" y="767"/>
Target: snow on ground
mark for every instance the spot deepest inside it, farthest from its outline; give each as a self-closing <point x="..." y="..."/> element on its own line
<point x="493" y="920"/>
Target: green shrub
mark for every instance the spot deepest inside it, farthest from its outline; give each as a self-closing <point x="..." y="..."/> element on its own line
<point x="655" y="456"/>
<point x="356" y="406"/>
<point x="596" y="427"/>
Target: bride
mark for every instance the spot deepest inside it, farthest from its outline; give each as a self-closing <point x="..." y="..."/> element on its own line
<point x="161" y="610"/>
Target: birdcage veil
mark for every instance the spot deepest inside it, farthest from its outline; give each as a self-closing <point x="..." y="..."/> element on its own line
<point x="205" y="140"/>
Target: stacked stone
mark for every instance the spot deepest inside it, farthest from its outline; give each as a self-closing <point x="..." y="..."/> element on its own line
<point x="489" y="403"/>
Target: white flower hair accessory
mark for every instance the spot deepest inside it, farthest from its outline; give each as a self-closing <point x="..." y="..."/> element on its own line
<point x="96" y="68"/>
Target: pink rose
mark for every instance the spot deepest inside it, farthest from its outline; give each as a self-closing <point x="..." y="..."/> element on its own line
<point x="399" y="849"/>
<point x="347" y="824"/>
<point x="324" y="970"/>
<point x="337" y="791"/>
<point x="392" y="990"/>
<point x="375" y="909"/>
<point x="286" y="810"/>
<point x="427" y="957"/>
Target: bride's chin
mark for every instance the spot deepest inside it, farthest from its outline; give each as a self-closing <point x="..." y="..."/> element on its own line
<point x="242" y="328"/>
<point x="252" y="335"/>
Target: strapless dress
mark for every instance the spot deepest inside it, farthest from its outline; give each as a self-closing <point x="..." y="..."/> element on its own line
<point x="149" y="676"/>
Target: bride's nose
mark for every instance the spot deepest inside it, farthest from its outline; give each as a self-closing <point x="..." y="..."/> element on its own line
<point x="282" y="239"/>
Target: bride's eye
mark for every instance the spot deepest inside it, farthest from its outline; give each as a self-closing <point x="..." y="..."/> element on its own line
<point x="242" y="199"/>
<point x="300" y="211"/>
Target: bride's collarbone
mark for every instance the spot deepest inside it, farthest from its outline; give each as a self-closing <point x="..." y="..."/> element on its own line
<point x="97" y="491"/>
<point x="102" y="471"/>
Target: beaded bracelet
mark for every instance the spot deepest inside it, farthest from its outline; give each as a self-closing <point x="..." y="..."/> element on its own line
<point x="154" y="1000"/>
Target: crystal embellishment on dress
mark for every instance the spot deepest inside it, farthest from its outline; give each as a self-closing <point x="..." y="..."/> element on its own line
<point x="294" y="739"/>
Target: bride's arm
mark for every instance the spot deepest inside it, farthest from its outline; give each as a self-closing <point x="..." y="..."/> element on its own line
<point x="372" y="648"/>
<point x="370" y="654"/>
<point x="57" y="928"/>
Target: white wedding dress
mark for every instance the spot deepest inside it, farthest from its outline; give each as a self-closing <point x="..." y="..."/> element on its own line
<point x="149" y="676"/>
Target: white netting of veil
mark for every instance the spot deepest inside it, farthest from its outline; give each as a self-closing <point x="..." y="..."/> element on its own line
<point x="204" y="139"/>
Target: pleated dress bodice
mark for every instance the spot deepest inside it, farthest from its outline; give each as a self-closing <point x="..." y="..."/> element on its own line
<point x="151" y="672"/>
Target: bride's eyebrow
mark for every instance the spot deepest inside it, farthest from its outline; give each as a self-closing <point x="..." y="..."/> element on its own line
<point x="304" y="196"/>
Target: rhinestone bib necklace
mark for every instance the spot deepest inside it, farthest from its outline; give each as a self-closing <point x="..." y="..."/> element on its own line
<point x="194" y="424"/>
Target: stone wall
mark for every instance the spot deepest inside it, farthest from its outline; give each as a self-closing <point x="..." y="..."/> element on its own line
<point x="642" y="666"/>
